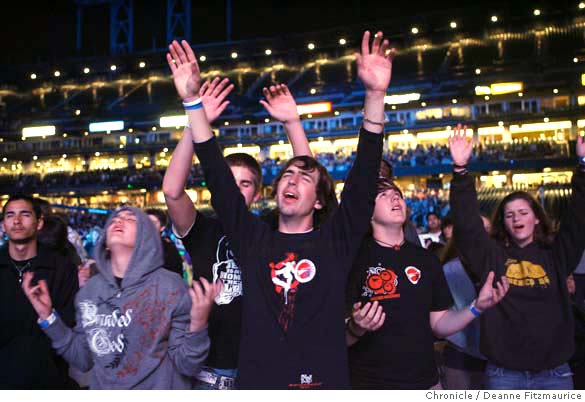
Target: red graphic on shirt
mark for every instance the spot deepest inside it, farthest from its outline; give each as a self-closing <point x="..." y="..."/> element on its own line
<point x="413" y="274"/>
<point x="288" y="273"/>
<point x="381" y="283"/>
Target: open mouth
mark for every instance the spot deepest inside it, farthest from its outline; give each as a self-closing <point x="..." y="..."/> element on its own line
<point x="290" y="196"/>
<point x="518" y="228"/>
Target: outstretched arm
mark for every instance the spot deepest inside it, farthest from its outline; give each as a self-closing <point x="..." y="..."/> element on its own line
<point x="237" y="221"/>
<point x="570" y="241"/>
<point x="282" y="106"/>
<point x="352" y="218"/>
<point x="179" y="204"/>
<point x="447" y="322"/>
<point x="470" y="237"/>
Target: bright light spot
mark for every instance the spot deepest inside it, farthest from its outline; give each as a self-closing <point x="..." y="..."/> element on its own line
<point x="226" y="123"/>
<point x="477" y="71"/>
<point x="520" y="94"/>
<point x="113" y="67"/>
<point x="453" y="24"/>
<point x="546" y="119"/>
<point x="555" y="91"/>
<point x="536" y="12"/>
<point x="267" y="120"/>
<point x="575" y="60"/>
<point x="501" y="123"/>
<point x="86" y="70"/>
<point x="311" y="46"/>
<point x="268" y="52"/>
<point x="487" y="98"/>
<point x="336" y="113"/>
<point x="453" y="101"/>
<point x="202" y="58"/>
<point x="494" y="18"/>
<point x="234" y="55"/>
<point x="342" y="41"/>
<point x="414" y="30"/>
<point x="57" y="73"/>
<point x="313" y="91"/>
<point x="77" y="112"/>
<point x="142" y="64"/>
<point x="423" y="104"/>
<point x="33" y="76"/>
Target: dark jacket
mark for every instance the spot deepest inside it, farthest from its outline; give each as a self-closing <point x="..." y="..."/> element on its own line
<point x="28" y="361"/>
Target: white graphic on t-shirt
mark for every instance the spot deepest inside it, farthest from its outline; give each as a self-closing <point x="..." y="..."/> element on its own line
<point x="306" y="378"/>
<point x="287" y="274"/>
<point x="226" y="269"/>
<point x="99" y="338"/>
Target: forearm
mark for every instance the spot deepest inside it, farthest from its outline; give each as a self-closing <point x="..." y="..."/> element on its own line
<point x="70" y="344"/>
<point x="191" y="351"/>
<point x="179" y="167"/>
<point x="452" y="321"/>
<point x="297" y="138"/>
<point x="200" y="129"/>
<point x="374" y="111"/>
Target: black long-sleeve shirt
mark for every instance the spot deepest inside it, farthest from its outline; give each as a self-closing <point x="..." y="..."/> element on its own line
<point x="294" y="284"/>
<point x="28" y="360"/>
<point x="532" y="327"/>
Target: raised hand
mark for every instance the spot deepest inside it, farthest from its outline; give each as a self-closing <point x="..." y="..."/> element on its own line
<point x="38" y="295"/>
<point x="460" y="146"/>
<point x="490" y="296"/>
<point x="280" y="103"/>
<point x="580" y="148"/>
<point x="375" y="64"/>
<point x="370" y="317"/>
<point x="213" y="96"/>
<point x="202" y="295"/>
<point x="186" y="74"/>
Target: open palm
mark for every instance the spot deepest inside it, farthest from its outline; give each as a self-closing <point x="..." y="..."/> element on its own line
<point x="375" y="64"/>
<point x="460" y="146"/>
<point x="280" y="103"/>
<point x="185" y="69"/>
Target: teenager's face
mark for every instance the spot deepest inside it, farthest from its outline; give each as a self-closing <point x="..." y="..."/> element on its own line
<point x="20" y="222"/>
<point x="245" y="180"/>
<point x="448" y="231"/>
<point x="122" y="230"/>
<point x="520" y="221"/>
<point x="296" y="194"/>
<point x="390" y="208"/>
<point x="434" y="223"/>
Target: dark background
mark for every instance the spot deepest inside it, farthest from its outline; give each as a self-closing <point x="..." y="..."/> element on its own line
<point x="45" y="31"/>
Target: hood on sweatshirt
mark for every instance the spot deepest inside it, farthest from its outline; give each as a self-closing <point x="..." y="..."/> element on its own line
<point x="146" y="257"/>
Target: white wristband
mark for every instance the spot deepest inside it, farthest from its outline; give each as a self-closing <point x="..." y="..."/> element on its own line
<point x="192" y="103"/>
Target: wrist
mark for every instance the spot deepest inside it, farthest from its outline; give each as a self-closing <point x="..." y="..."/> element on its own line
<point x="475" y="310"/>
<point x="354" y="330"/>
<point x="292" y="121"/>
<point x="375" y="93"/>
<point x="197" y="325"/>
<point x="48" y="319"/>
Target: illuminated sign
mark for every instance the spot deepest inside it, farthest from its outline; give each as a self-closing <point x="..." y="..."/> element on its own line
<point x="39" y="131"/>
<point x="106" y="126"/>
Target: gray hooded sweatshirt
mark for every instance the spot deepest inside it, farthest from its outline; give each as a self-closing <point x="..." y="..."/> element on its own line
<point x="135" y="336"/>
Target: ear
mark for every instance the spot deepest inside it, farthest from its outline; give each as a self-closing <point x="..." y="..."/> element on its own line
<point x="536" y="221"/>
<point x="3" y="227"/>
<point x="40" y="223"/>
<point x="318" y="206"/>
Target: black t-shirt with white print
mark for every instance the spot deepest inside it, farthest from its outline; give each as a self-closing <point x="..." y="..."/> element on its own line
<point x="409" y="283"/>
<point x="212" y="259"/>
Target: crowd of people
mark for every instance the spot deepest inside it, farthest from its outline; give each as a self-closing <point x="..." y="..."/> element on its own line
<point x="321" y="293"/>
<point x="150" y="177"/>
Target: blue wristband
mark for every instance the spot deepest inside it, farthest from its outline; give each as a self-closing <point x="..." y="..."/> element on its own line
<point x="474" y="310"/>
<point x="194" y="105"/>
<point x="49" y="320"/>
<point x="582" y="160"/>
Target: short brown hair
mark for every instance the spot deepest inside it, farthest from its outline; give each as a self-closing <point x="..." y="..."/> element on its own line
<point x="543" y="231"/>
<point x="325" y="187"/>
<point x="247" y="161"/>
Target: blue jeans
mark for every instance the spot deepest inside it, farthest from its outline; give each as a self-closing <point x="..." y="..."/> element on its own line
<point x="502" y="378"/>
<point x="220" y="372"/>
